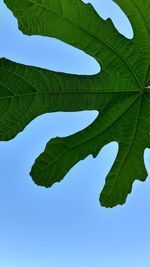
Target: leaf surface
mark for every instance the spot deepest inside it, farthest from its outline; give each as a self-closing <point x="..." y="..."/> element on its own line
<point x="120" y="92"/>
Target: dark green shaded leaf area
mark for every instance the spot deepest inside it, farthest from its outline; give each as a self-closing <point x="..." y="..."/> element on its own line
<point x="120" y="92"/>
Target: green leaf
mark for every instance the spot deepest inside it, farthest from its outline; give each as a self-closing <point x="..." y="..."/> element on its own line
<point x="120" y="92"/>
<point x="148" y="78"/>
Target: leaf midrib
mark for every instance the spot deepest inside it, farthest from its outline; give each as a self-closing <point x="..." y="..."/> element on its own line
<point x="146" y="27"/>
<point x="36" y="93"/>
<point x="63" y="92"/>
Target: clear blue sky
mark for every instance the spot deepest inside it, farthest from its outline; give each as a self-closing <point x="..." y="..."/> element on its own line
<point x="64" y="226"/>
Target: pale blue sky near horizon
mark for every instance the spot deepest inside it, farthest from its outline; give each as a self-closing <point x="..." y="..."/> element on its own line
<point x="65" y="226"/>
